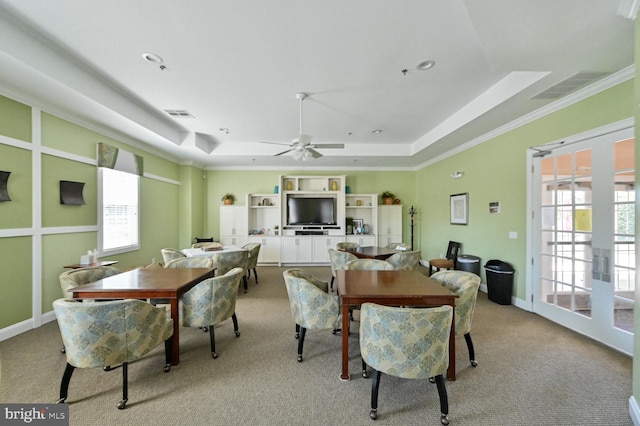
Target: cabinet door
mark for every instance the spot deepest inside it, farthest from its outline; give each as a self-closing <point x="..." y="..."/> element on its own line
<point x="362" y="240"/>
<point x="233" y="220"/>
<point x="269" y="248"/>
<point x="321" y="246"/>
<point x="390" y="220"/>
<point x="296" y="249"/>
<point x="236" y="241"/>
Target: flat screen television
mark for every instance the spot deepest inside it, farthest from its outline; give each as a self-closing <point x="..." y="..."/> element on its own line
<point x="311" y="211"/>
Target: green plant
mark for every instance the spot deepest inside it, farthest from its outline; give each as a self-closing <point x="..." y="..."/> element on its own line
<point x="229" y="197"/>
<point x="387" y="194"/>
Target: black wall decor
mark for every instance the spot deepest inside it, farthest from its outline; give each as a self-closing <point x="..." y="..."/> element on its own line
<point x="4" y="192"/>
<point x="71" y="193"/>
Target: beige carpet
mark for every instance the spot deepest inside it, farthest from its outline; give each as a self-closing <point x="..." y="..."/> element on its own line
<point x="530" y="372"/>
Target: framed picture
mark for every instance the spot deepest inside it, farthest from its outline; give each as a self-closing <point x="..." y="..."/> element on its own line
<point x="357" y="226"/>
<point x="459" y="208"/>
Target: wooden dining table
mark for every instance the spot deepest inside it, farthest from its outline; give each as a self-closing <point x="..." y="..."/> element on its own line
<point x="372" y="252"/>
<point x="391" y="288"/>
<point x="148" y="283"/>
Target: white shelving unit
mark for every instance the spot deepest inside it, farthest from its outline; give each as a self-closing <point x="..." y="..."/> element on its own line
<point x="389" y="224"/>
<point x="234" y="230"/>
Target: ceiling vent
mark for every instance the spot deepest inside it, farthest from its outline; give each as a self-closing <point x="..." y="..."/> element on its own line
<point x="179" y="113"/>
<point x="567" y="86"/>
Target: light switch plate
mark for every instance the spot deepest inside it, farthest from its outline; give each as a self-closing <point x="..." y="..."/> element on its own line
<point x="513" y="235"/>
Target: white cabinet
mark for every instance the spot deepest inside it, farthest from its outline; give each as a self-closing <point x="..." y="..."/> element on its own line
<point x="269" y="248"/>
<point x="264" y="213"/>
<point x="297" y="250"/>
<point x="321" y="246"/>
<point x="233" y="225"/>
<point x="363" y="240"/>
<point x="389" y="224"/>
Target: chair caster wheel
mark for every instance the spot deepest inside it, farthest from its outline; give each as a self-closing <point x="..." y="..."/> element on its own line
<point x="373" y="414"/>
<point x="61" y="401"/>
<point x="166" y="368"/>
<point x="214" y="355"/>
<point x="297" y="336"/>
<point x="365" y="374"/>
<point x="63" y="350"/>
<point x="122" y="404"/>
<point x="334" y="331"/>
<point x="108" y="368"/>
<point x="204" y="329"/>
<point x="444" y="419"/>
<point x="432" y="379"/>
<point x="474" y="363"/>
<point x="237" y="334"/>
<point x="299" y="358"/>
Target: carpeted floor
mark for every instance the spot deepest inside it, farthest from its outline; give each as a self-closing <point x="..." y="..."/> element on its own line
<point x="530" y="372"/>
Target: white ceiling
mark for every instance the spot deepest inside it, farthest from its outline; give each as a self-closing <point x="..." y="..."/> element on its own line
<point x="239" y="64"/>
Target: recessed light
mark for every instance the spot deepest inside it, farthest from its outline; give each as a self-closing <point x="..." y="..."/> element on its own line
<point x="376" y="131"/>
<point x="153" y="58"/>
<point x="426" y="65"/>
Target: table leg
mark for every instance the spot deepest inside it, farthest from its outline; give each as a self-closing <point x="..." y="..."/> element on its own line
<point x="451" y="371"/>
<point x="345" y="343"/>
<point x="175" y="350"/>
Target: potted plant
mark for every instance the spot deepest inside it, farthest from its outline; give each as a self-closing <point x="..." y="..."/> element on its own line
<point x="228" y="199"/>
<point x="276" y="229"/>
<point x="388" y="197"/>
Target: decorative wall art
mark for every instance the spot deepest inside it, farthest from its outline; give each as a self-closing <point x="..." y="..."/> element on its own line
<point x="4" y="192"/>
<point x="71" y="193"/>
<point x="459" y="209"/>
<point x="494" y="207"/>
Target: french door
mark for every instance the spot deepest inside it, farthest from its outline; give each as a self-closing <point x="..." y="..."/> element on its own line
<point x="583" y="237"/>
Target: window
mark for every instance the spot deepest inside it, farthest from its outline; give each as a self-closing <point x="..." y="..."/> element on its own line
<point x="118" y="210"/>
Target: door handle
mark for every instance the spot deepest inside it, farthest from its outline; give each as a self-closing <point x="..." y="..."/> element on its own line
<point x="595" y="264"/>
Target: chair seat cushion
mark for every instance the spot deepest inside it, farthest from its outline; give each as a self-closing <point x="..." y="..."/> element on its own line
<point x="441" y="263"/>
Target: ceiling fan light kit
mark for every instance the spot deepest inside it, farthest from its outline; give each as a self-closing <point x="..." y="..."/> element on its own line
<point x="301" y="147"/>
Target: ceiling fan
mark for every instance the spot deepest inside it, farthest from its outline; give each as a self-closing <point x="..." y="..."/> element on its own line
<point x="301" y="147"/>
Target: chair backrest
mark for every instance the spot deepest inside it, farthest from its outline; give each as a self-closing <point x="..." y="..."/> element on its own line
<point x="211" y="301"/>
<point x="100" y="334"/>
<point x="411" y="343"/>
<point x="227" y="260"/>
<point x="347" y="246"/>
<point x="311" y="306"/>
<point x="369" y="265"/>
<point x="339" y="260"/>
<point x="207" y="245"/>
<point x="453" y="249"/>
<point x="399" y="246"/>
<point x="405" y="261"/>
<point x="75" y="277"/>
<point x="190" y="262"/>
<point x="203" y="240"/>
<point x="168" y="254"/>
<point x="254" y="252"/>
<point x="465" y="285"/>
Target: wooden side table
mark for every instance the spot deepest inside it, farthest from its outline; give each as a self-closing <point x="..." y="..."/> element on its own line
<point x="92" y="265"/>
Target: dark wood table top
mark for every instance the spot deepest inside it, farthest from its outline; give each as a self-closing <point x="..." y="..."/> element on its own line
<point x="92" y="265"/>
<point x="373" y="252"/>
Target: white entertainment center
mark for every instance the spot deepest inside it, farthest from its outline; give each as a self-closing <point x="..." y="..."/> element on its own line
<point x="307" y="217"/>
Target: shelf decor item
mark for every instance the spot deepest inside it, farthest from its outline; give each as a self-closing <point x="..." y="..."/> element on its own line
<point x="228" y="199"/>
<point x="388" y="197"/>
<point x="334" y="186"/>
<point x="4" y="192"/>
<point x="71" y="193"/>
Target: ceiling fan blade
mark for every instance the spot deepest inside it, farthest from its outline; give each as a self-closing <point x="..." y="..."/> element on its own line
<point x="283" y="152"/>
<point x="314" y="153"/>
<point x="329" y="145"/>
<point x="276" y="143"/>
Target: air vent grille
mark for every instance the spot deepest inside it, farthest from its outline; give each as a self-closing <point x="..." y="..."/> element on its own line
<point x="572" y="83"/>
<point x="179" y="113"/>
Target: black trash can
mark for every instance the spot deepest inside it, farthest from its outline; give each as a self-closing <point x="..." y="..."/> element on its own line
<point x="499" y="281"/>
<point x="469" y="263"/>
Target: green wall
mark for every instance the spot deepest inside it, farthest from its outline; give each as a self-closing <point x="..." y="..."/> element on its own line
<point x="17" y="212"/>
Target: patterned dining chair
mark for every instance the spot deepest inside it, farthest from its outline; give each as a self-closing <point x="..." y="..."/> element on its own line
<point x="339" y="260"/>
<point x="211" y="302"/>
<point x="168" y="254"/>
<point x="399" y="246"/>
<point x="191" y="262"/>
<point x="405" y="261"/>
<point x="369" y="265"/>
<point x="347" y="246"/>
<point x="252" y="262"/>
<point x="108" y="334"/>
<point x="312" y="307"/>
<point x="465" y="285"/>
<point x="410" y="343"/>
<point x="228" y="260"/>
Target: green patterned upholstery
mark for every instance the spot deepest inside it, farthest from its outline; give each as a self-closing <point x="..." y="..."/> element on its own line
<point x="339" y="261"/>
<point x="168" y="254"/>
<point x="465" y="285"/>
<point x="405" y="261"/>
<point x="106" y="334"/>
<point x="252" y="262"/>
<point x="347" y="246"/>
<point x="210" y="302"/>
<point x="369" y="265"/>
<point x="75" y="277"/>
<point x="410" y="343"/>
<point x="190" y="262"/>
<point x="399" y="246"/>
<point x="312" y="307"/>
<point x="228" y="260"/>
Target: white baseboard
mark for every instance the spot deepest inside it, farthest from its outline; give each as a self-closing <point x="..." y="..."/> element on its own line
<point x="634" y="411"/>
<point x="24" y="326"/>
